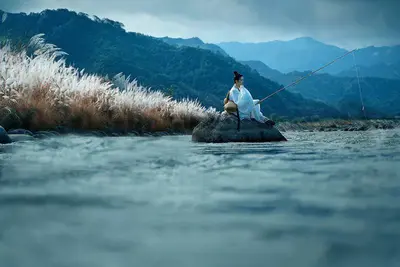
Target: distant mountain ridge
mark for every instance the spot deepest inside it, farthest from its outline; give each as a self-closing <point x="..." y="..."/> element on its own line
<point x="305" y="54"/>
<point x="300" y="54"/>
<point x="382" y="70"/>
<point x="381" y="96"/>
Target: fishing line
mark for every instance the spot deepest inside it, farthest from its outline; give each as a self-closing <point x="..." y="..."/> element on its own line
<point x="306" y="76"/>
<point x="359" y="85"/>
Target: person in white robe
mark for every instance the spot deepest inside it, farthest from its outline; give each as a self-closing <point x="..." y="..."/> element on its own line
<point x="247" y="106"/>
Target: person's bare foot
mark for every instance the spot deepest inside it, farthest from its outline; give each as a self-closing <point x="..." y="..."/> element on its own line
<point x="269" y="122"/>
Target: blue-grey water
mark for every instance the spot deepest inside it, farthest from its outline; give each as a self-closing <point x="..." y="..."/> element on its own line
<point x="320" y="199"/>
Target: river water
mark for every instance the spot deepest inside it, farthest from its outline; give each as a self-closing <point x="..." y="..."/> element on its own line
<point x="320" y="199"/>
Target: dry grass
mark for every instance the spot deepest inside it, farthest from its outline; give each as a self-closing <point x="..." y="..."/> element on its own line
<point x="46" y="93"/>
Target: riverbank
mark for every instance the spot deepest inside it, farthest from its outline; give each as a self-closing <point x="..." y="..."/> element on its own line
<point x="20" y="134"/>
<point x="40" y="92"/>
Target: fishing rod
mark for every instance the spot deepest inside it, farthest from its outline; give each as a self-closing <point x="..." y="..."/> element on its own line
<point x="306" y="76"/>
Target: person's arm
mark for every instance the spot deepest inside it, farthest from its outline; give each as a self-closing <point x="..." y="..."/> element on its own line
<point x="248" y="92"/>
<point x="245" y="100"/>
<point x="234" y="95"/>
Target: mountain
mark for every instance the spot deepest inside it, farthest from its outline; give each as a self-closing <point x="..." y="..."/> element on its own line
<point x="301" y="54"/>
<point x="264" y="70"/>
<point x="381" y="96"/>
<point x="380" y="70"/>
<point x="102" y="46"/>
<point x="305" y="54"/>
<point x="373" y="55"/>
<point x="194" y="42"/>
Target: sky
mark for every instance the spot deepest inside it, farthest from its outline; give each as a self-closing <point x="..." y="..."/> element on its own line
<point x="345" y="23"/>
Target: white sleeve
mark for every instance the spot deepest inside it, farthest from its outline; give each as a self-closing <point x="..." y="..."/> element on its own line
<point x="234" y="95"/>
<point x="248" y="92"/>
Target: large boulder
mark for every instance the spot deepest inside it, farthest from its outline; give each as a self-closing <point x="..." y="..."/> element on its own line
<point x="224" y="128"/>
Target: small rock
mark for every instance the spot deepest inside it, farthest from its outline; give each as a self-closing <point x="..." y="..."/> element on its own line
<point x="4" y="137"/>
<point x="362" y="128"/>
<point x="21" y="137"/>
<point x="99" y="133"/>
<point x="20" y="131"/>
<point x="54" y="133"/>
<point x="40" y="136"/>
<point x="47" y="133"/>
<point x="63" y="130"/>
<point x="157" y="134"/>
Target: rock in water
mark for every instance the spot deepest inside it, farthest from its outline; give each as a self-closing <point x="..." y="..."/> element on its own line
<point x="4" y="138"/>
<point x="9" y="119"/>
<point x="21" y="137"/>
<point x="20" y="131"/>
<point x="224" y="128"/>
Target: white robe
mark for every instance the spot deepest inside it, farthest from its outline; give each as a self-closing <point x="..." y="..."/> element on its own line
<point x="246" y="104"/>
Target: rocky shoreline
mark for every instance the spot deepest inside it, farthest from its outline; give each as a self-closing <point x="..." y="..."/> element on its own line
<point x="15" y="135"/>
<point x="339" y="125"/>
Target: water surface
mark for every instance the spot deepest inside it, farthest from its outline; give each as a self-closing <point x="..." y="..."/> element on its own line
<point x="320" y="199"/>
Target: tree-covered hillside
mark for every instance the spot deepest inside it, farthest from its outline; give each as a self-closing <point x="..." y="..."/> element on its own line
<point x="102" y="46"/>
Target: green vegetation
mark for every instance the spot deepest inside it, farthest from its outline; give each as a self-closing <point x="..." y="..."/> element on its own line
<point x="105" y="48"/>
<point x="194" y="42"/>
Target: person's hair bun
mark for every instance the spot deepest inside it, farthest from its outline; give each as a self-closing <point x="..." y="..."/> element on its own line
<point x="237" y="76"/>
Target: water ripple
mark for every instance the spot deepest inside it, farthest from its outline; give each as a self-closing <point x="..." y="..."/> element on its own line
<point x="320" y="199"/>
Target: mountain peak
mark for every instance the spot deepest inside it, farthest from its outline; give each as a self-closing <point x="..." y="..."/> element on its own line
<point x="307" y="42"/>
<point x="305" y="38"/>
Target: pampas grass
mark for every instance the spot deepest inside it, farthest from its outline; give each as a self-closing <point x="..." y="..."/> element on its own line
<point x="46" y="93"/>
